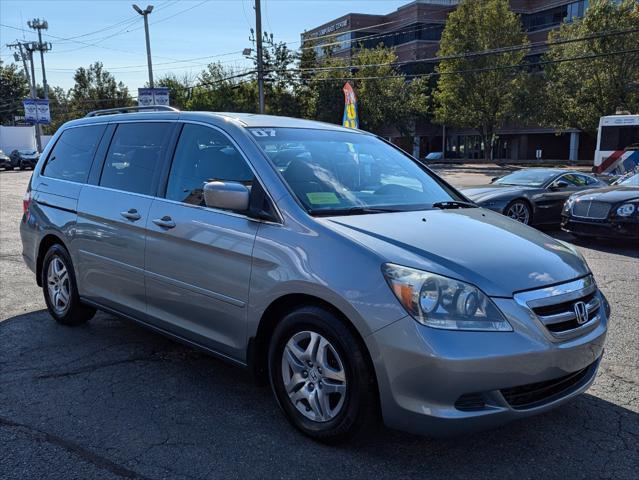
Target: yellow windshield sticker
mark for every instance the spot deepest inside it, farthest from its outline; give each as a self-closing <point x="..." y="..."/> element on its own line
<point x="322" y="198"/>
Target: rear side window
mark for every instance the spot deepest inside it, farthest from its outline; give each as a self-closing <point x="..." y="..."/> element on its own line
<point x="134" y="156"/>
<point x="204" y="154"/>
<point x="72" y="154"/>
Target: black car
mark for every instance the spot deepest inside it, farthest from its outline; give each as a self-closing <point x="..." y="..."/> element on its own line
<point x="534" y="196"/>
<point x="24" y="158"/>
<point x="605" y="212"/>
<point x="5" y="161"/>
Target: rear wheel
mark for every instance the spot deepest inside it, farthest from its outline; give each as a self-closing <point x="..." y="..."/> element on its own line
<point x="320" y="376"/>
<point x="60" y="288"/>
<point x="519" y="210"/>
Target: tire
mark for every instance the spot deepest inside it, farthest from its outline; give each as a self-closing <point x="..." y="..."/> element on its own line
<point x="21" y="165"/>
<point x="58" y="277"/>
<point x="519" y="210"/>
<point x="339" y="365"/>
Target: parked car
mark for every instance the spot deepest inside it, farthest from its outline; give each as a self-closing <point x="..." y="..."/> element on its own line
<point x="24" y="159"/>
<point x="434" y="156"/>
<point x="604" y="212"/>
<point x="5" y="161"/>
<point x="534" y="196"/>
<point x="355" y="288"/>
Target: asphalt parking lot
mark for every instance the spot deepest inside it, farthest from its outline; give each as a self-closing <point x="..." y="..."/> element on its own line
<point x="112" y="400"/>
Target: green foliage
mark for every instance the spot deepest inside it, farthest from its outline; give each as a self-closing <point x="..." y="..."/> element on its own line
<point x="179" y="88"/>
<point x="479" y="91"/>
<point x="95" y="88"/>
<point x="13" y="88"/>
<point x="384" y="95"/>
<point x="218" y="91"/>
<point x="579" y="92"/>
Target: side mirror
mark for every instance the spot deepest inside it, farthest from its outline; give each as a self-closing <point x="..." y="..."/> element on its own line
<point x="494" y="179"/>
<point x="559" y="185"/>
<point x="226" y="195"/>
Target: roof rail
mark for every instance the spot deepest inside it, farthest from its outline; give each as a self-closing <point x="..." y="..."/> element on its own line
<point x="142" y="108"/>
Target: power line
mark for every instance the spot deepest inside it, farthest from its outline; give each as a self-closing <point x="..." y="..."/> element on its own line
<point x="494" y="51"/>
<point x="484" y="69"/>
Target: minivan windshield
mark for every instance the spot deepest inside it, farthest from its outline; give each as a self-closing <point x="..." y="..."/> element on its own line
<point x="339" y="173"/>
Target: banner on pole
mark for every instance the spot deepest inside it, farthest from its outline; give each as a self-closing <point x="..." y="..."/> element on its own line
<point x="153" y="96"/>
<point x="350" y="119"/>
<point x="30" y="110"/>
<point x="44" y="115"/>
<point x="36" y="111"/>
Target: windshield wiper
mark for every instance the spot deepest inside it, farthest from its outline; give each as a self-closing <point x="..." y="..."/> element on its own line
<point x="350" y="211"/>
<point x="453" y="204"/>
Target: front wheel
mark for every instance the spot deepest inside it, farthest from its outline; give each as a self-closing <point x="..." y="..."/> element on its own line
<point x="320" y="376"/>
<point x="60" y="288"/>
<point x="21" y="165"/>
<point x="519" y="210"/>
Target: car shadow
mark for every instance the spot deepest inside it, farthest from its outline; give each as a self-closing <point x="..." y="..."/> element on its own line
<point x="129" y="400"/>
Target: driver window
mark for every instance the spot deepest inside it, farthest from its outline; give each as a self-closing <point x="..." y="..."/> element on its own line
<point x="204" y="154"/>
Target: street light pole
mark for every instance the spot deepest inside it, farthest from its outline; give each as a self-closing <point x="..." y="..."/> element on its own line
<point x="258" y="48"/>
<point x="145" y="14"/>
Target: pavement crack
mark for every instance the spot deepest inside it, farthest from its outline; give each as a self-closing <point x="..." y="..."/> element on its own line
<point x="74" y="448"/>
<point x="95" y="366"/>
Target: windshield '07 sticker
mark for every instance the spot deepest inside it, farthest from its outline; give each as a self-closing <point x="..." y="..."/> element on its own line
<point x="263" y="132"/>
<point x="322" y="198"/>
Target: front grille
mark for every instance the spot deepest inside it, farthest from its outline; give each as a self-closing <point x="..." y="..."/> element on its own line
<point x="534" y="394"/>
<point x="565" y="310"/>
<point x="590" y="209"/>
<point x="562" y="317"/>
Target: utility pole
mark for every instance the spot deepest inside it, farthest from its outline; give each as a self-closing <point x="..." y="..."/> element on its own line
<point x="145" y="14"/>
<point x="22" y="56"/>
<point x="258" y="47"/>
<point x="38" y="25"/>
<point x="32" y="47"/>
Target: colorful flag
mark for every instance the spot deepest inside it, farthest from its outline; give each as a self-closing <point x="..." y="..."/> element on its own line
<point x="350" y="119"/>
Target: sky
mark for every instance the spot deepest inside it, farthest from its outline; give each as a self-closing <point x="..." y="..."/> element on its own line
<point x="200" y="31"/>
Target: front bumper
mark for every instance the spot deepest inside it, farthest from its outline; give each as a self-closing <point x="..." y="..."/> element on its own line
<point x="441" y="383"/>
<point x="627" y="228"/>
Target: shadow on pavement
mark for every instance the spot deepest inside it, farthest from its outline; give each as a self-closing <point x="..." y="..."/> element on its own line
<point x="111" y="399"/>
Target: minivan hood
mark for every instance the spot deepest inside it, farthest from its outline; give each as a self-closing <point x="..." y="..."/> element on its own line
<point x="493" y="252"/>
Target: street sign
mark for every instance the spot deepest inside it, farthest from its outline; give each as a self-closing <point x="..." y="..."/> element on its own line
<point x="153" y="96"/>
<point x="36" y="111"/>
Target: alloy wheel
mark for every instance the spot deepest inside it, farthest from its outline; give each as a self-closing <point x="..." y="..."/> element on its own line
<point x="519" y="211"/>
<point x="314" y="376"/>
<point x="58" y="285"/>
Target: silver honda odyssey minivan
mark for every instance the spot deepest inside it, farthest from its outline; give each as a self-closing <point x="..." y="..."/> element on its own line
<point x="356" y="281"/>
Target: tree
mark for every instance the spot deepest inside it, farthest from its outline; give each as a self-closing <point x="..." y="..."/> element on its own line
<point x="13" y="88"/>
<point x="477" y="91"/>
<point x="384" y="95"/>
<point x="95" y="88"/>
<point x="223" y="89"/>
<point x="179" y="88"/>
<point x="579" y="92"/>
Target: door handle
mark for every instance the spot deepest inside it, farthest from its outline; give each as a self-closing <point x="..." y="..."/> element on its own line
<point x="131" y="214"/>
<point x="164" y="222"/>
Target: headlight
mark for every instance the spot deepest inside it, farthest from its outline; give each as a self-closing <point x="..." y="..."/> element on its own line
<point x="442" y="302"/>
<point x="569" y="203"/>
<point x="626" y="210"/>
